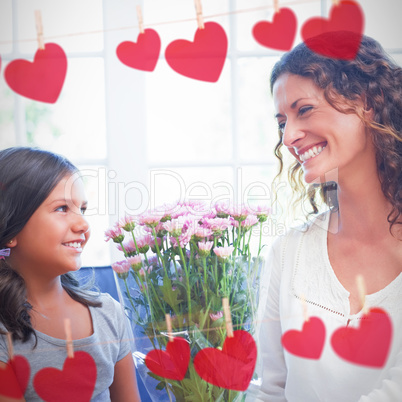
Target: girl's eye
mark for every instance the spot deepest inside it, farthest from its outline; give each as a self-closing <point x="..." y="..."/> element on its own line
<point x="304" y="109"/>
<point x="83" y="210"/>
<point x="62" y="208"/>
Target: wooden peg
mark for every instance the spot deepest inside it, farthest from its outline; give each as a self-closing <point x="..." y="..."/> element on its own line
<point x="69" y="338"/>
<point x="140" y="19"/>
<point x="304" y="306"/>
<point x="276" y="6"/>
<point x="228" y="318"/>
<point x="198" y="10"/>
<point x="361" y="287"/>
<point x="169" y="327"/>
<point x="39" y="29"/>
<point x="10" y="345"/>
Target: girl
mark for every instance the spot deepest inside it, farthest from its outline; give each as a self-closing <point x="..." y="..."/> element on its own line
<point x="342" y="122"/>
<point x="43" y="232"/>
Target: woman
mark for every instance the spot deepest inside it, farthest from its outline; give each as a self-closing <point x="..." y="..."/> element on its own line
<point x="341" y="120"/>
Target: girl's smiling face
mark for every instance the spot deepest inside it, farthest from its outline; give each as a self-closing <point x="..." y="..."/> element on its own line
<point x="53" y="238"/>
<point x="328" y="144"/>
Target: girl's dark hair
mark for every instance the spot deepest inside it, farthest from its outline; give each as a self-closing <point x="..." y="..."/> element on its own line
<point x="27" y="177"/>
<point x="372" y="77"/>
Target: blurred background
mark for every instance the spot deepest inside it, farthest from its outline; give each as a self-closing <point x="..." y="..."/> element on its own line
<point x="143" y="139"/>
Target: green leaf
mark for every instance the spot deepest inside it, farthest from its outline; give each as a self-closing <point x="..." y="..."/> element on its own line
<point x="170" y="296"/>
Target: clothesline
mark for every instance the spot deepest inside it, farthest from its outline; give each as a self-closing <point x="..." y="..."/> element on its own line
<point x="150" y="25"/>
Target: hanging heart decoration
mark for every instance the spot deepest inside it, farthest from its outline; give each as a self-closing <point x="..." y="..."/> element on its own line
<point x="307" y="343"/>
<point x="14" y="377"/>
<point x="278" y="34"/>
<point x="339" y="36"/>
<point x="173" y="362"/>
<point x="204" y="58"/>
<point x="231" y="368"/>
<point x="367" y="345"/>
<point x="142" y="55"/>
<point x="41" y="80"/>
<point x="75" y="382"/>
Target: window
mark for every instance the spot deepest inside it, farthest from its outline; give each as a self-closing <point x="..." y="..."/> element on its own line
<point x="145" y="138"/>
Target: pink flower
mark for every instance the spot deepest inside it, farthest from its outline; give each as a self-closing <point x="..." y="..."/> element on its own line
<point x="217" y="225"/>
<point x="174" y="227"/>
<point x="150" y="219"/>
<point x="184" y="239"/>
<point x="145" y="270"/>
<point x="262" y="212"/>
<point x="249" y="222"/>
<point x="222" y="209"/>
<point x="239" y="212"/>
<point x="115" y="234"/>
<point x="127" y="223"/>
<point x="121" y="268"/>
<point x="201" y="232"/>
<point x="223" y="252"/>
<point x="135" y="262"/>
<point x="204" y="248"/>
<point x="216" y="316"/>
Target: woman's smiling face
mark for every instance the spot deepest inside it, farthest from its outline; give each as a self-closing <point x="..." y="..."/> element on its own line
<point x="328" y="144"/>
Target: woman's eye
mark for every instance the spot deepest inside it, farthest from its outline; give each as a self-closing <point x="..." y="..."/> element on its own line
<point x="281" y="127"/>
<point x="62" y="208"/>
<point x="304" y="110"/>
<point x="83" y="210"/>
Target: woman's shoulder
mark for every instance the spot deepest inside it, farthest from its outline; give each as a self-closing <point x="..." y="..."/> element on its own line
<point x="313" y="230"/>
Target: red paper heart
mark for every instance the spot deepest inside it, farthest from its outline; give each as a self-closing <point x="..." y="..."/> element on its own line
<point x="231" y="368"/>
<point x="347" y="17"/>
<point x="75" y="382"/>
<point x="15" y="377"/>
<point x="202" y="59"/>
<point x="278" y="34"/>
<point x="367" y="345"/>
<point x="41" y="80"/>
<point x="171" y="364"/>
<point x="142" y="55"/>
<point x="309" y="342"/>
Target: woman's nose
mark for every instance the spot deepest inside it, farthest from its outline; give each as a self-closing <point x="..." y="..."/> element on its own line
<point x="292" y="133"/>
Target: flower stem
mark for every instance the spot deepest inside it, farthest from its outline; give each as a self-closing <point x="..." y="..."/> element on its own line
<point x="187" y="279"/>
<point x="158" y="252"/>
<point x="204" y="262"/>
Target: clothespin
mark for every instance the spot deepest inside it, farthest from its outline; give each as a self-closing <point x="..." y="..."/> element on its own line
<point x="361" y="287"/>
<point x="198" y="10"/>
<point x="169" y="327"/>
<point x="69" y="338"/>
<point x="140" y="19"/>
<point x="228" y="318"/>
<point x="39" y="29"/>
<point x="304" y="306"/>
<point x="276" y="6"/>
<point x="10" y="346"/>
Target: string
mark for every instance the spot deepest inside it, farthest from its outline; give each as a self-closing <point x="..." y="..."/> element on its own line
<point x="156" y="24"/>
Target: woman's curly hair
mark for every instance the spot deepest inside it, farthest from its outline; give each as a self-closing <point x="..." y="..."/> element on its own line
<point x="372" y="77"/>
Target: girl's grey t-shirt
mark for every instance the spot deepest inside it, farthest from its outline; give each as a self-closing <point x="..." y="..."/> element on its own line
<point x="108" y="344"/>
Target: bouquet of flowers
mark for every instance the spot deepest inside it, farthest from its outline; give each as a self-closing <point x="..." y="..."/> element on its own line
<point x="180" y="262"/>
